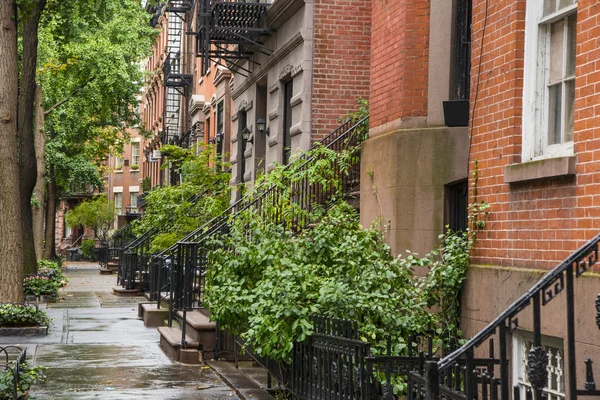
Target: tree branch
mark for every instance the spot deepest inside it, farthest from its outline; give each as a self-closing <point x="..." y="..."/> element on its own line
<point x="63" y="101"/>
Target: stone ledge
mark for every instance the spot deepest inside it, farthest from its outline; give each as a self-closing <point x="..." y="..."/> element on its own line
<point x="540" y="169"/>
<point x="25" y="331"/>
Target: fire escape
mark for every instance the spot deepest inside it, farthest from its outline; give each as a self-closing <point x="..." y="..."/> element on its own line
<point x="231" y="32"/>
<point x="176" y="83"/>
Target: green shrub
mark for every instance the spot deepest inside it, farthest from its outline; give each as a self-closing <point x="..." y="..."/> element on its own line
<point x="38" y="285"/>
<point x="52" y="270"/>
<point x="28" y="377"/>
<point x="87" y="247"/>
<point x="20" y="316"/>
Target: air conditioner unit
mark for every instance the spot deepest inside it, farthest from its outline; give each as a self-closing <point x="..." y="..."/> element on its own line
<point x="156" y="154"/>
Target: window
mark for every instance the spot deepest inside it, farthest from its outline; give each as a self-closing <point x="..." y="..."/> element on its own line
<point x="287" y="120"/>
<point x="118" y="202"/>
<point x="220" y="124"/>
<point x="522" y="344"/>
<point x="118" y="164"/>
<point x="135" y="155"/>
<point x="549" y="86"/>
<point x="133" y="200"/>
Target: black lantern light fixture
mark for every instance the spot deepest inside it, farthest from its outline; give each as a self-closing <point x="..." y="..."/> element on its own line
<point x="219" y="137"/>
<point x="247" y="135"/>
<point x="261" y="125"/>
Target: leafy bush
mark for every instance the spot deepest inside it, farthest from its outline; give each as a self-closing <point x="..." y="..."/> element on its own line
<point x="28" y="377"/>
<point x="170" y="209"/>
<point x="38" y="285"/>
<point x="265" y="280"/>
<point x="53" y="271"/>
<point x="87" y="247"/>
<point x="20" y="316"/>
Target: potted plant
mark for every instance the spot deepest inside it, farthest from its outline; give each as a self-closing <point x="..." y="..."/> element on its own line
<point x="134" y="167"/>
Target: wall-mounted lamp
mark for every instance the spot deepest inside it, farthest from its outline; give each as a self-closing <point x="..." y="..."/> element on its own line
<point x="219" y="137"/>
<point x="247" y="135"/>
<point x="261" y="125"/>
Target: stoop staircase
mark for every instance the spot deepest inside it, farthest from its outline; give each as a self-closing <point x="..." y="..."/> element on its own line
<point x="177" y="275"/>
<point x="112" y="252"/>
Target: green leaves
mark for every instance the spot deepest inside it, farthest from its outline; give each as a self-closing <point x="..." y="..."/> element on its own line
<point x="98" y="214"/>
<point x="16" y="315"/>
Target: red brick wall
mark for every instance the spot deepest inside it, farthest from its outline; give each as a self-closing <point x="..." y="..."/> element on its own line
<point x="342" y="39"/>
<point x="532" y="224"/>
<point x="399" y="60"/>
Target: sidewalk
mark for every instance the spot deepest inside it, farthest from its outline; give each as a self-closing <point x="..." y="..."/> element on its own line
<point x="99" y="349"/>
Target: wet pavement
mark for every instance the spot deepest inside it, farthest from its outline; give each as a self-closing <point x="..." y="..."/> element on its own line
<point x="99" y="349"/>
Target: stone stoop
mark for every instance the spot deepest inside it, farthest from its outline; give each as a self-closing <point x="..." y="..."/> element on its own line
<point x="170" y="341"/>
<point x="202" y="330"/>
<point x="152" y="316"/>
<point x="246" y="387"/>
<point x="120" y="291"/>
<point x="106" y="271"/>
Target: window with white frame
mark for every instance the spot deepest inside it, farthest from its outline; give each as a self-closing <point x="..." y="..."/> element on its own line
<point x="549" y="79"/>
<point x="133" y="200"/>
<point x="522" y="344"/>
<point x="118" y="203"/>
<point x="135" y="155"/>
<point x="118" y="164"/>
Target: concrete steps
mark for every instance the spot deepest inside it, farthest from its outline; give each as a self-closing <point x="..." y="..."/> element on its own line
<point x="170" y="341"/>
<point x="120" y="291"/>
<point x="202" y="330"/>
<point x="152" y="316"/>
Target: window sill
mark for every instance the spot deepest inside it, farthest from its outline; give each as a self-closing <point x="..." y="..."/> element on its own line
<point x="540" y="169"/>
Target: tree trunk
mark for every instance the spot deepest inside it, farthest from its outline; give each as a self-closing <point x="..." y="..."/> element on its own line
<point x="11" y="251"/>
<point x="25" y="129"/>
<point x="50" y="229"/>
<point x="40" y="185"/>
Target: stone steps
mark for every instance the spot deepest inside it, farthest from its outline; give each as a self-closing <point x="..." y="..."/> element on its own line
<point x="170" y="341"/>
<point x="200" y="329"/>
<point x="152" y="316"/>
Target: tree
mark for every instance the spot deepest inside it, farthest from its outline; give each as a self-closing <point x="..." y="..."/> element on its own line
<point x="11" y="253"/>
<point x="90" y="73"/>
<point x="97" y="214"/>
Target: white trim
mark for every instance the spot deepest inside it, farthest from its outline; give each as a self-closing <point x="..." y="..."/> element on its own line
<point x="535" y="89"/>
<point x="134" y="189"/>
<point x="135" y="140"/>
<point x="118" y="189"/>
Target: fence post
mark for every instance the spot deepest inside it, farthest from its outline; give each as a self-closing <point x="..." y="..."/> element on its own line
<point x="432" y="381"/>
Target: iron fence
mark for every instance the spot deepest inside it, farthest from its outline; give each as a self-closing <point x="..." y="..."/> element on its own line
<point x="14" y="357"/>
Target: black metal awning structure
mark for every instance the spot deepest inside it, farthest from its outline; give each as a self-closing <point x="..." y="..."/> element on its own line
<point x="231" y="31"/>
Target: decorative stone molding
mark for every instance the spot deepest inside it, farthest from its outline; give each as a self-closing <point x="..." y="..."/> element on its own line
<point x="273" y="88"/>
<point x="213" y="100"/>
<point x="273" y="141"/>
<point x="296" y="70"/>
<point x="196" y="103"/>
<point x="296" y="129"/>
<point x="286" y="73"/>
<point x="297" y="99"/>
<point x="221" y="74"/>
<point x="206" y="108"/>
<point x="272" y="115"/>
<point x="245" y="105"/>
<point x="270" y="167"/>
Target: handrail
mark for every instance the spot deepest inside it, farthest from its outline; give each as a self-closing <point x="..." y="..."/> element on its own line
<point x="328" y="140"/>
<point x="16" y="370"/>
<point x="588" y="253"/>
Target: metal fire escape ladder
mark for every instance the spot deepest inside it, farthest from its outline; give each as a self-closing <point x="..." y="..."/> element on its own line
<point x="175" y="82"/>
<point x="232" y="32"/>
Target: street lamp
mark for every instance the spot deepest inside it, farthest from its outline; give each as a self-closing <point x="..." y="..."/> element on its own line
<point x="247" y="135"/>
<point x="261" y="125"/>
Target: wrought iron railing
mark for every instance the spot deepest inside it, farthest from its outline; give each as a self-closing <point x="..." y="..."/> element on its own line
<point x="460" y="375"/>
<point x="189" y="256"/>
<point x="134" y="266"/>
<point x="14" y="357"/>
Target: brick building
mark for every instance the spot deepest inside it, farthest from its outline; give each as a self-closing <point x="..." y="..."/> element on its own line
<point x="416" y="162"/>
<point x="302" y="68"/>
<point x="533" y="127"/>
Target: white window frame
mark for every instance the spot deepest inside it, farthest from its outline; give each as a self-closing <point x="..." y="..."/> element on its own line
<point x="535" y="92"/>
<point x="519" y="363"/>
<point x="135" y="158"/>
<point x="118" y="163"/>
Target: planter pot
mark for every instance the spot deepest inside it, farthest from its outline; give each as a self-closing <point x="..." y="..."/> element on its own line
<point x="27" y="331"/>
<point x="456" y="113"/>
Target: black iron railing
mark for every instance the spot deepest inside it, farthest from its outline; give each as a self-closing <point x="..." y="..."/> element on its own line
<point x="11" y="360"/>
<point x="134" y="266"/>
<point x="189" y="257"/>
<point x="460" y="375"/>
